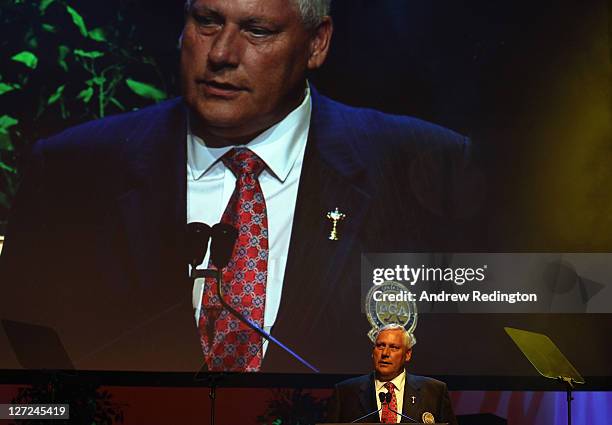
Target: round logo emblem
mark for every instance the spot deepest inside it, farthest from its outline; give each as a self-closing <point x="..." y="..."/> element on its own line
<point x="428" y="418"/>
<point x="389" y="303"/>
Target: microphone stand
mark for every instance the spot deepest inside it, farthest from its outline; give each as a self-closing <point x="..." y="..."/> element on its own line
<point x="218" y="276"/>
<point x="200" y="233"/>
<point x="404" y="416"/>
<point x="383" y="401"/>
<point x="365" y="416"/>
<point x="568" y="390"/>
<point x="213" y="379"/>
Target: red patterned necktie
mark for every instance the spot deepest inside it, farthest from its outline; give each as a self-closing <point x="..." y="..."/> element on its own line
<point x="236" y="347"/>
<point x="387" y="416"/>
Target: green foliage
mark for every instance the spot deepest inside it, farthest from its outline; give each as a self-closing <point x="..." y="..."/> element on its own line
<point x="44" y="4"/>
<point x="29" y="59"/>
<point x="61" y="67"/>
<point x="55" y="96"/>
<point x="62" y="52"/>
<point x="4" y="88"/>
<point x="97" y="34"/>
<point x="78" y="20"/>
<point x="145" y="90"/>
<point x="86" y="94"/>
<point x="6" y="122"/>
<point x="49" y="28"/>
<point x="94" y="54"/>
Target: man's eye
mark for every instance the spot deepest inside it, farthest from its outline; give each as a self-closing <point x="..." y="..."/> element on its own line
<point x="206" y="21"/>
<point x="259" y="32"/>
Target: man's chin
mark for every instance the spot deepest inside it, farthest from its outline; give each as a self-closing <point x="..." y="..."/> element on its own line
<point x="219" y="124"/>
<point x="386" y="374"/>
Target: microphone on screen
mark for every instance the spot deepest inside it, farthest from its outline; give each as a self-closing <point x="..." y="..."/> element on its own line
<point x="223" y="239"/>
<point x="198" y="235"/>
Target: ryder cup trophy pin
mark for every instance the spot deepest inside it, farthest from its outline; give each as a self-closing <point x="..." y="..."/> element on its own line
<point x="388" y="303"/>
<point x="335" y="216"/>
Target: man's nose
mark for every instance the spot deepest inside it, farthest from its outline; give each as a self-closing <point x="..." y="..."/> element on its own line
<point x="386" y="352"/>
<point x="225" y="50"/>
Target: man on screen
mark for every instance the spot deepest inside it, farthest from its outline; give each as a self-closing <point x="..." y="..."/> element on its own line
<point x="103" y="209"/>
<point x="418" y="398"/>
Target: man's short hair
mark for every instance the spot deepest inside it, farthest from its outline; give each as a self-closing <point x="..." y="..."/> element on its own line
<point x="311" y="11"/>
<point x="408" y="337"/>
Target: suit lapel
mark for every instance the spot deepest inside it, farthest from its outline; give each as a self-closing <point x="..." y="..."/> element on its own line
<point x="410" y="408"/>
<point x="329" y="179"/>
<point x="151" y="193"/>
<point x="367" y="399"/>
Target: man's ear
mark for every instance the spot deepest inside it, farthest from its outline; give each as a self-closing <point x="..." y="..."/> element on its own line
<point x="319" y="43"/>
<point x="408" y="356"/>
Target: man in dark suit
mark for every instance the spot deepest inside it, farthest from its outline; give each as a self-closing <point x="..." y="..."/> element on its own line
<point x="95" y="244"/>
<point x="417" y="398"/>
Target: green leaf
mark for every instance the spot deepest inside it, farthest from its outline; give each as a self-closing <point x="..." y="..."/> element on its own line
<point x="62" y="52"/>
<point x="5" y="88"/>
<point x="118" y="104"/>
<point x="5" y="142"/>
<point x="49" y="28"/>
<point x="31" y="40"/>
<point x="55" y="96"/>
<point x="7" y="168"/>
<point x="86" y="94"/>
<point x="29" y="59"/>
<point x="97" y="34"/>
<point x="92" y="54"/>
<point x="78" y="20"/>
<point x="145" y="90"/>
<point x="44" y="4"/>
<point x="6" y="122"/>
<point x="99" y="80"/>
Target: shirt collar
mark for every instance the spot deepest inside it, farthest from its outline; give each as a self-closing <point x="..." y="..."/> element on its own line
<point x="398" y="381"/>
<point x="278" y="146"/>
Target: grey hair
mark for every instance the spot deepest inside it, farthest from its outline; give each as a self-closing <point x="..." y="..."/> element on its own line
<point x="409" y="338"/>
<point x="312" y="12"/>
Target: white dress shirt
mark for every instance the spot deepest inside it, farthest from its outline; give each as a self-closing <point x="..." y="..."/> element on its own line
<point x="210" y="185"/>
<point x="399" y="382"/>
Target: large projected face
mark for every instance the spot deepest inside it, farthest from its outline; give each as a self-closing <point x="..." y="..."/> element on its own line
<point x="243" y="64"/>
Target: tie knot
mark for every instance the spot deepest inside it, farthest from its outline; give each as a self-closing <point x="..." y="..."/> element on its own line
<point x="243" y="161"/>
<point x="389" y="386"/>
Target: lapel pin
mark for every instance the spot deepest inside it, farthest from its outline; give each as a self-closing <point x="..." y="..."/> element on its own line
<point x="335" y="216"/>
<point x="413" y="398"/>
<point x="428" y="418"/>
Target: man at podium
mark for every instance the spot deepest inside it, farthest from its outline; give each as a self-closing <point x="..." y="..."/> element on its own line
<point x="389" y="390"/>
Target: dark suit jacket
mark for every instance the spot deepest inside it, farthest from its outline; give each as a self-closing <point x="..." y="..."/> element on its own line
<point x="356" y="397"/>
<point x="95" y="244"/>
